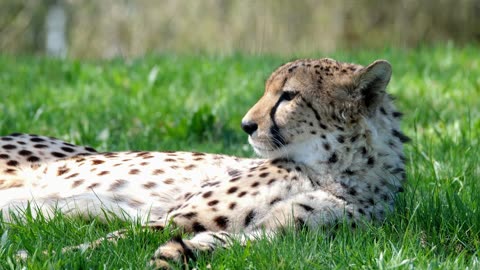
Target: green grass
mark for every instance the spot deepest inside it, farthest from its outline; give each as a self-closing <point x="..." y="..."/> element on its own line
<point x="195" y="102"/>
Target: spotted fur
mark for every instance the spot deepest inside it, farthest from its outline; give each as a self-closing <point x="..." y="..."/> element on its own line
<point x="331" y="150"/>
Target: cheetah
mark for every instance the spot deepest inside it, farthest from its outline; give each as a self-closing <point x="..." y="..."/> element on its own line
<point x="330" y="150"/>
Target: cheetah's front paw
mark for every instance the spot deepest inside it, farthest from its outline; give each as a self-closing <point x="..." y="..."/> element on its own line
<point x="176" y="250"/>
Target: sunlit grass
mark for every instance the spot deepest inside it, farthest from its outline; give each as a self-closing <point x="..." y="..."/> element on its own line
<point x="195" y="102"/>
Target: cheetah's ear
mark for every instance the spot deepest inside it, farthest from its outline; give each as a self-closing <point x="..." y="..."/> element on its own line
<point x="372" y="81"/>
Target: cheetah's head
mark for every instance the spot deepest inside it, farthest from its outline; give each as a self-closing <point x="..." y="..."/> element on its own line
<point x="308" y="99"/>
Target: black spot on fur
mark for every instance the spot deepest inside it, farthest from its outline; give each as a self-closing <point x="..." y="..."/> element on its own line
<point x="212" y="203"/>
<point x="90" y="149"/>
<point x="10" y="171"/>
<point x="189" y="215"/>
<point x="33" y="159"/>
<point x="307" y="208"/>
<point x="292" y="69"/>
<point x="241" y="194"/>
<point x="278" y="160"/>
<point x="382" y="110"/>
<point x="12" y="163"/>
<point x="352" y="191"/>
<point x="222" y="222"/>
<point x="36" y="139"/>
<point x="68" y="149"/>
<point x="371" y="161"/>
<point x="94" y="185"/>
<point x="232" y="190"/>
<point x="248" y="219"/>
<point x="263" y="175"/>
<point x="315" y="112"/>
<point x="40" y="146"/>
<point x="339" y="128"/>
<point x="397" y="170"/>
<point x="9" y="146"/>
<point x="235" y="179"/>
<point x="97" y="161"/>
<point x="233" y="172"/>
<point x="397" y="114"/>
<point x="24" y="153"/>
<point x="333" y="158"/>
<point x="198" y="227"/>
<point x="57" y="154"/>
<point x="341" y="139"/>
<point x="274" y="201"/>
<point x="326" y="146"/>
<point x="207" y="194"/>
<point x="371" y="201"/>
<point x="402" y="137"/>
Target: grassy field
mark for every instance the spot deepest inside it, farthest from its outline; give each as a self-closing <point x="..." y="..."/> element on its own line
<point x="195" y="102"/>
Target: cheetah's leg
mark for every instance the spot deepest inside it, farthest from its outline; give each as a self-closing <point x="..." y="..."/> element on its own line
<point x="310" y="209"/>
<point x="181" y="250"/>
<point x="85" y="206"/>
<point x="112" y="237"/>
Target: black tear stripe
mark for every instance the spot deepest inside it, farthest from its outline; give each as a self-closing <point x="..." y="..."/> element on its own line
<point x="277" y="138"/>
<point x="315" y="112"/>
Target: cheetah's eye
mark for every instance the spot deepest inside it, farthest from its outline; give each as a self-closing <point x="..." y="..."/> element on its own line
<point x="288" y="95"/>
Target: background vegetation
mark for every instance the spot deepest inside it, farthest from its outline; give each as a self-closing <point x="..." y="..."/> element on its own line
<point x="196" y="101"/>
<point x="108" y="28"/>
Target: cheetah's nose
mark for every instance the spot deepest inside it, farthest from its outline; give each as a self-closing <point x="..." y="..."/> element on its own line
<point x="249" y="127"/>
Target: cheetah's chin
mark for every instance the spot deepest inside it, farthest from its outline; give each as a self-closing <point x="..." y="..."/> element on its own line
<point x="270" y="154"/>
<point x="267" y="152"/>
